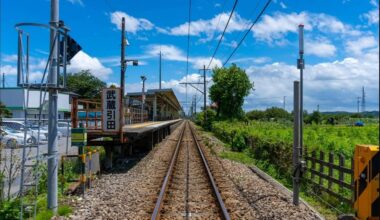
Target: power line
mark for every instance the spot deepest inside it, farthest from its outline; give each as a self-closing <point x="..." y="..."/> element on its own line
<point x="224" y="31"/>
<point x="247" y="32"/>
<point x="188" y="46"/>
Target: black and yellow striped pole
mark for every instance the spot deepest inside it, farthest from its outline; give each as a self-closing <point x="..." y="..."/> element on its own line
<point x="366" y="174"/>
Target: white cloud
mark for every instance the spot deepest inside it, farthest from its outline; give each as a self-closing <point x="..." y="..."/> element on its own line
<point x="356" y="47"/>
<point x="79" y="2"/>
<point x="256" y="60"/>
<point x="211" y="26"/>
<point x="132" y="24"/>
<point x="320" y="48"/>
<point x="8" y="70"/>
<point x="83" y="61"/>
<point x="372" y="16"/>
<point x="273" y="29"/>
<point x="333" y="85"/>
<point x="171" y="52"/>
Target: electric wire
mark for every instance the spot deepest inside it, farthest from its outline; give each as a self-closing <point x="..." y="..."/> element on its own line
<point x="224" y="31"/>
<point x="247" y="32"/>
<point x="188" y="47"/>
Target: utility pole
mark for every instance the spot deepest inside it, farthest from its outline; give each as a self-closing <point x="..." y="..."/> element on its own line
<point x="143" y="78"/>
<point x="204" y="93"/>
<point x="284" y="103"/>
<point x="363" y="100"/>
<point x="318" y="108"/>
<point x="358" y="102"/>
<point x="52" y="181"/>
<point x="301" y="66"/>
<point x="195" y="104"/>
<point x="160" y="70"/>
<point x="122" y="76"/>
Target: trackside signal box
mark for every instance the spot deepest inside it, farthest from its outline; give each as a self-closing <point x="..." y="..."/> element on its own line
<point x="78" y="137"/>
<point x="366" y="174"/>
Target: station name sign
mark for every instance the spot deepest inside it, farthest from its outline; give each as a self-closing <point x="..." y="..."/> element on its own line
<point x="111" y="99"/>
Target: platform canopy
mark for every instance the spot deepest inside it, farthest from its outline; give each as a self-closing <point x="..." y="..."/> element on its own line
<point x="161" y="103"/>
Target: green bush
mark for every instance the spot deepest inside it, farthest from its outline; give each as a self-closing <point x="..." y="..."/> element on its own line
<point x="211" y="116"/>
<point x="10" y="210"/>
<point x="44" y="215"/>
<point x="64" y="210"/>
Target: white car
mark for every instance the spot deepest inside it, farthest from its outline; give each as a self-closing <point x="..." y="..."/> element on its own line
<point x="64" y="128"/>
<point x="19" y="126"/>
<point x="11" y="138"/>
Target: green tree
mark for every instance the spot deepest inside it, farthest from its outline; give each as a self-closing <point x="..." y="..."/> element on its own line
<point x="256" y="115"/>
<point x="4" y="112"/>
<point x="315" y="117"/>
<point x="85" y="84"/>
<point x="230" y="87"/>
<point x="210" y="118"/>
<point x="277" y="113"/>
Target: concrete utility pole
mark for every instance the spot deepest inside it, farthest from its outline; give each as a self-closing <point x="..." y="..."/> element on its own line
<point x="122" y="76"/>
<point x="143" y="78"/>
<point x="204" y="92"/>
<point x="160" y="70"/>
<point x="52" y="181"/>
<point x="358" y="102"/>
<point x="301" y="66"/>
<point x="296" y="142"/>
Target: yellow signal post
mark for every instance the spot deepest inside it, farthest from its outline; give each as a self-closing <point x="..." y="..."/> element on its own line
<point x="366" y="174"/>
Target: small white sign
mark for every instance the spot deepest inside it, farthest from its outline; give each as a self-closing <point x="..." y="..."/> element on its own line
<point x="111" y="109"/>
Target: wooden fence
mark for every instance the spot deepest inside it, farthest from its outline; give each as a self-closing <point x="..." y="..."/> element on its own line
<point x="332" y="174"/>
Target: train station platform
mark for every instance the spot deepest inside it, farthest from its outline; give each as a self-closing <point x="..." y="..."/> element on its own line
<point x="146" y="127"/>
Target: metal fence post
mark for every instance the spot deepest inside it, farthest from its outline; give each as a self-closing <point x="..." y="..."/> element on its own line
<point x="296" y="143"/>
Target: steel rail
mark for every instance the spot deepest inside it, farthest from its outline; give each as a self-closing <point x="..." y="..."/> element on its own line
<point x="221" y="204"/>
<point x="160" y="199"/>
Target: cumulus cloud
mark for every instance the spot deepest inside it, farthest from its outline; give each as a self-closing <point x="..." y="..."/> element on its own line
<point x="372" y="16"/>
<point x="133" y="25"/>
<point x="332" y="85"/>
<point x="273" y="29"/>
<point x="356" y="47"/>
<point x="320" y="48"/>
<point x="173" y="53"/>
<point x="211" y="26"/>
<point x="8" y="69"/>
<point x="82" y="61"/>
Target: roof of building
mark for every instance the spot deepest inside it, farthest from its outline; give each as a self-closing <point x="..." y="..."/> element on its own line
<point x="168" y="93"/>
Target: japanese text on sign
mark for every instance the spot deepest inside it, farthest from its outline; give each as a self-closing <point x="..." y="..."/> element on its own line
<point x="111" y="109"/>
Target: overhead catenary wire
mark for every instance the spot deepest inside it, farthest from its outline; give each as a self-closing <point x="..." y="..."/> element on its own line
<point x="224" y="31"/>
<point x="248" y="31"/>
<point x="188" y="47"/>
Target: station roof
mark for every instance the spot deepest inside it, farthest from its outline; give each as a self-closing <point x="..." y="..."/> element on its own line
<point x="167" y="94"/>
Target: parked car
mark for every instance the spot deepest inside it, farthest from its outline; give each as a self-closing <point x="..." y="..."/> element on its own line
<point x="62" y="127"/>
<point x="19" y="126"/>
<point x="11" y="138"/>
<point x="44" y="130"/>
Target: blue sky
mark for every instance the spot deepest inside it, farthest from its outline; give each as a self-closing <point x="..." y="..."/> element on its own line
<point x="341" y="45"/>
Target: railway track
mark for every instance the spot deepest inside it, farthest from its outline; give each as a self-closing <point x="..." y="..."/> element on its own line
<point x="188" y="189"/>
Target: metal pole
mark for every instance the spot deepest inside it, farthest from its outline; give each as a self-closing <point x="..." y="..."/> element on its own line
<point x="296" y="142"/>
<point x="142" y="98"/>
<point x="160" y="70"/>
<point x="27" y="59"/>
<point x="19" y="59"/>
<point x="122" y="77"/>
<point x="204" y="93"/>
<point x="53" y="112"/>
<point x="301" y="66"/>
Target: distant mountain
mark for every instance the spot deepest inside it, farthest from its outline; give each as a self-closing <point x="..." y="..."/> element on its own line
<point x="365" y="114"/>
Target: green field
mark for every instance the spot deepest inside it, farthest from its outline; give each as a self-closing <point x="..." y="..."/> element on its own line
<point x="329" y="138"/>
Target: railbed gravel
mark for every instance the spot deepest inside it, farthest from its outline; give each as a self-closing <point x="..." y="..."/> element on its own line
<point x="132" y="195"/>
<point x="267" y="201"/>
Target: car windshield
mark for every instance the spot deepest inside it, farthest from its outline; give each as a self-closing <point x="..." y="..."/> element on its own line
<point x="10" y="130"/>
